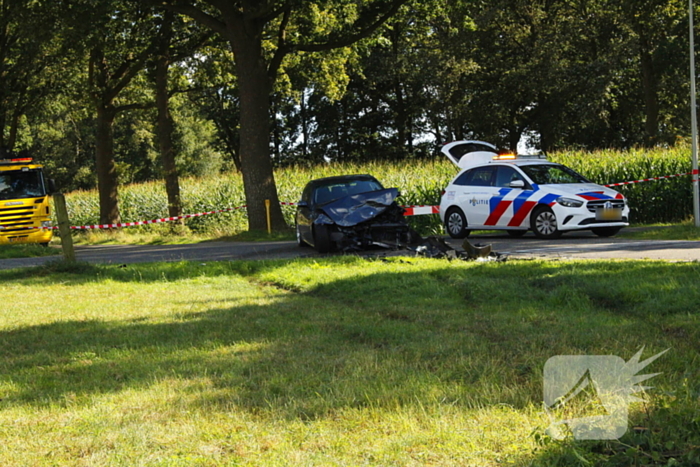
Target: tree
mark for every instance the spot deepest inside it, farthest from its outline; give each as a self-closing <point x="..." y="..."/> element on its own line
<point x="122" y="42"/>
<point x="261" y="34"/>
<point x="171" y="46"/>
<point x="29" y="47"/>
<point x="658" y="31"/>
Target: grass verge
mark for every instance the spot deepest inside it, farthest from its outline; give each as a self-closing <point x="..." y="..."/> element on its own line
<point x="337" y="361"/>
<point x="685" y="230"/>
<point x="28" y="250"/>
<point x="163" y="235"/>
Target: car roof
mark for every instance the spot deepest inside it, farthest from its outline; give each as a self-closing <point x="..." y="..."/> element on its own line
<point x="516" y="162"/>
<point x="526" y="162"/>
<point x="341" y="179"/>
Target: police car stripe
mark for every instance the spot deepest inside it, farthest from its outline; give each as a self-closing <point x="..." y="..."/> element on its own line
<point x="521" y="199"/>
<point x="522" y="213"/>
<point x="497" y="206"/>
<point x="592" y="195"/>
<point x="549" y="199"/>
<point x="497" y="212"/>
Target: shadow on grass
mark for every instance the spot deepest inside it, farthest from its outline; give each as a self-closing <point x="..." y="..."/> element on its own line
<point x="469" y="337"/>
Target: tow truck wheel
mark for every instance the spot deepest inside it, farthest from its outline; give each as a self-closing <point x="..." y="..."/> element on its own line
<point x="544" y="223"/>
<point x="456" y="223"/>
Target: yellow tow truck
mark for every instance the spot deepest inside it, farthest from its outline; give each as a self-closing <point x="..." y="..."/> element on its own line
<point x="25" y="214"/>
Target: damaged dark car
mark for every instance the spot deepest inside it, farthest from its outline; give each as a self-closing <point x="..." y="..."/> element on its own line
<point x="351" y="212"/>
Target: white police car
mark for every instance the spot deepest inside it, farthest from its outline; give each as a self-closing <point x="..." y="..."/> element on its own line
<point x="521" y="193"/>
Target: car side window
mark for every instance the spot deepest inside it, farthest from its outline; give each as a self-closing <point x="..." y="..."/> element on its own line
<point x="462" y="179"/>
<point x="507" y="175"/>
<point x="481" y="176"/>
<point x="306" y="195"/>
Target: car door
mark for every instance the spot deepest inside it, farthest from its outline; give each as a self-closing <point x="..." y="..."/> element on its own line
<point x="506" y="200"/>
<point x="473" y="190"/>
<point x="303" y="215"/>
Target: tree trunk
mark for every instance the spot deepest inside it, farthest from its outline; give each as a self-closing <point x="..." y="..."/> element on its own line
<point x="104" y="164"/>
<point x="304" y="126"/>
<point x="14" y="124"/>
<point x="651" y="97"/>
<point x="166" y="125"/>
<point x="256" y="164"/>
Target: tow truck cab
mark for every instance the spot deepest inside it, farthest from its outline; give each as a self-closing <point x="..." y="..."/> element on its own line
<point x="25" y="214"/>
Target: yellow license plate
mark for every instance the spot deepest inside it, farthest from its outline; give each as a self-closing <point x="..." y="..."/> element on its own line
<point x="609" y="214"/>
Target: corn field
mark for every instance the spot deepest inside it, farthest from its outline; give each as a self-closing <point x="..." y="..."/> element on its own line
<point x="420" y="183"/>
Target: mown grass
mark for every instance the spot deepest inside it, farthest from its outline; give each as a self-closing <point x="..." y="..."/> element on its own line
<point x="336" y="361"/>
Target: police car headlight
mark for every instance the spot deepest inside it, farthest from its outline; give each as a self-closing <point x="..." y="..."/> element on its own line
<point x="570" y="202"/>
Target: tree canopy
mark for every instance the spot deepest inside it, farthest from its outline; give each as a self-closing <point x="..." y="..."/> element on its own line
<point x="246" y="85"/>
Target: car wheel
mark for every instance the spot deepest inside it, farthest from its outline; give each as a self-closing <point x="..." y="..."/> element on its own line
<point x="516" y="233"/>
<point x="456" y="223"/>
<point x="322" y="238"/>
<point x="300" y="240"/>
<point x="606" y="231"/>
<point x="544" y="223"/>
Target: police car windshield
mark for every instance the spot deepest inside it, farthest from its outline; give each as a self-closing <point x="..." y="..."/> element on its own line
<point x="21" y="184"/>
<point x="548" y="174"/>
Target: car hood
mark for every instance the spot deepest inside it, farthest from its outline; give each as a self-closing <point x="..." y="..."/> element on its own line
<point x="588" y="191"/>
<point x="355" y="209"/>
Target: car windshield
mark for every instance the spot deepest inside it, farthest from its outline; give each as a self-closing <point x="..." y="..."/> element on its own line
<point x="333" y="191"/>
<point x="21" y="184"/>
<point x="549" y="174"/>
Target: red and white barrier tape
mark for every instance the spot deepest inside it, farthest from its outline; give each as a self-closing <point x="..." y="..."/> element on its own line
<point x="416" y="210"/>
<point x="421" y="210"/>
<point x="154" y="221"/>
<point x="410" y="211"/>
<point x="649" y="179"/>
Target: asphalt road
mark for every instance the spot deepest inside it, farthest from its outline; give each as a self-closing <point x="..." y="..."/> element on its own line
<point x="586" y="245"/>
<point x="582" y="245"/>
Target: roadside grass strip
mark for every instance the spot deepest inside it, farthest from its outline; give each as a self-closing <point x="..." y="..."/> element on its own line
<point x="336" y="361"/>
<point x="27" y="250"/>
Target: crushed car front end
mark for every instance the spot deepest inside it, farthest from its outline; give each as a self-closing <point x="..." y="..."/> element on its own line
<point x="364" y="220"/>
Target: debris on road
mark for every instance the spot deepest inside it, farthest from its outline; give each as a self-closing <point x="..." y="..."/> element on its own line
<point x="436" y="247"/>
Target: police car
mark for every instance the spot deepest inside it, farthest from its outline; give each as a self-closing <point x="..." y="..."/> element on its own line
<point x="519" y="193"/>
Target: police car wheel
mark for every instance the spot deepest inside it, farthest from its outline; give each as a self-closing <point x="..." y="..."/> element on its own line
<point x="456" y="223"/>
<point x="544" y="223"/>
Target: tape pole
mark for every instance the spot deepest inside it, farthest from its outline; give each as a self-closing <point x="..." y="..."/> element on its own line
<point x="693" y="116"/>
